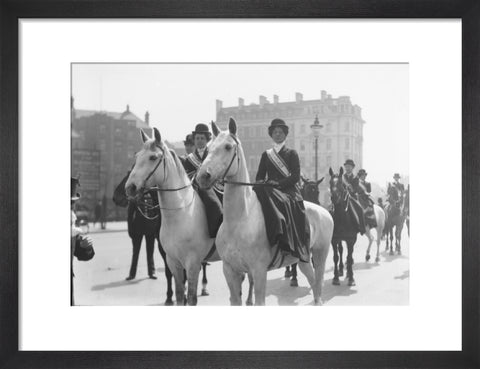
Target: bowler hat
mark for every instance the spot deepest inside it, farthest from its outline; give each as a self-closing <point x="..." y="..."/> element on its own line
<point x="396" y="176"/>
<point x="74" y="183"/>
<point x="202" y="128"/>
<point x="362" y="172"/>
<point x="188" y="140"/>
<point x="277" y="122"/>
<point x="349" y="162"/>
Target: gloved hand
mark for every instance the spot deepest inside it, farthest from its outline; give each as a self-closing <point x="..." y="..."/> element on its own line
<point x="86" y="241"/>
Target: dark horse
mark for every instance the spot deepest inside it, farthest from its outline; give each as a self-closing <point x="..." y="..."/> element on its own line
<point x="406" y="209"/>
<point x="310" y="193"/>
<point x="344" y="228"/>
<point x="395" y="217"/>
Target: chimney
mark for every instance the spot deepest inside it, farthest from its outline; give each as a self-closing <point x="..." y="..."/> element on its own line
<point x="275" y="99"/>
<point x="128" y="108"/>
<point x="298" y="97"/>
<point x="324" y="94"/>
<point x="262" y="100"/>
<point x="241" y="102"/>
<point x="147" y="118"/>
<point x="329" y="96"/>
<point x="219" y="105"/>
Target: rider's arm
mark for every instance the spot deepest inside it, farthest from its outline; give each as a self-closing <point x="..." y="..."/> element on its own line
<point x="262" y="168"/>
<point x="294" y="166"/>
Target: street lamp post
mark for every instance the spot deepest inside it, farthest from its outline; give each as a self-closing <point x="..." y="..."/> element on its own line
<point x="316" y="127"/>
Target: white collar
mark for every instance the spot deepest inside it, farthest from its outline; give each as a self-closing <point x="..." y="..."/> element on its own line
<point x="201" y="151"/>
<point x="278" y="147"/>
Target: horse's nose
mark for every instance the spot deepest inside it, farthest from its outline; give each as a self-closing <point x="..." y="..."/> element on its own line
<point x="208" y="175"/>
<point x="130" y="190"/>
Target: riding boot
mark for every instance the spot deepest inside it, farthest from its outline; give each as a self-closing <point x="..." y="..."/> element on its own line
<point x="136" y="244"/>
<point x="213" y="209"/>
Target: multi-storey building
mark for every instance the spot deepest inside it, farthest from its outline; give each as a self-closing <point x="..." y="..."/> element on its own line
<point x="103" y="148"/>
<point x="340" y="138"/>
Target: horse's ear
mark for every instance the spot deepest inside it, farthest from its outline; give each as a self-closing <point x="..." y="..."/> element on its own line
<point x="320" y="180"/>
<point x="158" y="137"/>
<point x="303" y="178"/>
<point x="330" y="171"/>
<point x="232" y="126"/>
<point x="341" y="171"/>
<point x="144" y="136"/>
<point x="215" y="129"/>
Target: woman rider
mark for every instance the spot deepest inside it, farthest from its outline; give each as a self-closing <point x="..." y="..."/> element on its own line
<point x="213" y="206"/>
<point x="280" y="196"/>
<point x="364" y="190"/>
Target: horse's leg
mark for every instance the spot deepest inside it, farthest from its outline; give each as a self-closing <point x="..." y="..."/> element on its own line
<point x="336" y="274"/>
<point x="259" y="286"/>
<point x="340" y="249"/>
<point x="193" y="271"/>
<point x="288" y="273"/>
<point x="204" y="279"/>
<point x="250" y="290"/>
<point x="294" y="282"/>
<point x="350" y="244"/>
<point x="136" y="244"/>
<point x="319" y="257"/>
<point x="379" y="241"/>
<point x="368" y="233"/>
<point x="398" y="237"/>
<point x="168" y="274"/>
<point x="234" y="281"/>
<point x="150" y="241"/>
<point x="391" y="241"/>
<point x="178" y="272"/>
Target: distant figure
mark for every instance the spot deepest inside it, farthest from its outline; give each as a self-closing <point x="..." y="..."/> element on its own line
<point x="103" y="217"/>
<point x="98" y="213"/>
<point x="380" y="203"/>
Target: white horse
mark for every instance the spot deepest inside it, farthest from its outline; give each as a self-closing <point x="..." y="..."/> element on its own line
<point x="184" y="231"/>
<point x="380" y="218"/>
<point x="242" y="238"/>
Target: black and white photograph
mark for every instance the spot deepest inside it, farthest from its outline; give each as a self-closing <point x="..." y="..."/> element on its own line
<point x="217" y="184"/>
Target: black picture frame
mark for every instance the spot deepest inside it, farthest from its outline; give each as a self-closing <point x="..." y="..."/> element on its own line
<point x="12" y="11"/>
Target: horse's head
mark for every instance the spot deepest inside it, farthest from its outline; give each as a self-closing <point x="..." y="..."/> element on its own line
<point x="223" y="158"/>
<point x="147" y="170"/>
<point x="310" y="189"/>
<point x="337" y="187"/>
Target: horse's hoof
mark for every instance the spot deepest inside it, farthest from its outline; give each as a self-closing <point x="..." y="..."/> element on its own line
<point x="336" y="281"/>
<point x="351" y="282"/>
<point x="391" y="253"/>
<point x="377" y="259"/>
<point x="288" y="274"/>
<point x="319" y="302"/>
<point x="367" y="257"/>
<point x="205" y="293"/>
<point x="249" y="303"/>
<point x="168" y="302"/>
<point x="399" y="252"/>
<point x="294" y="283"/>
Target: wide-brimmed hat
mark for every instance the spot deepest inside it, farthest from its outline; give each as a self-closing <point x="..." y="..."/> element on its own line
<point x="277" y="122"/>
<point x="396" y="176"/>
<point x="202" y="128"/>
<point x="74" y="183"/>
<point x="349" y="162"/>
<point x="362" y="172"/>
<point x="188" y="140"/>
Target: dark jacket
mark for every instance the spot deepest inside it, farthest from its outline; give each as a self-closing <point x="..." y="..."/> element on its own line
<point x="189" y="167"/>
<point x="268" y="171"/>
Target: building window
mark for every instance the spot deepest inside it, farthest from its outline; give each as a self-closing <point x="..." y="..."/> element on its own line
<point x="302" y="145"/>
<point x="302" y="128"/>
<point x="328" y="127"/>
<point x="329" y="144"/>
<point x="328" y="161"/>
<point x="347" y="143"/>
<point x="347" y="126"/>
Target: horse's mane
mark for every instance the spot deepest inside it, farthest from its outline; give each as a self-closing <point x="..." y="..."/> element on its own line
<point x="170" y="153"/>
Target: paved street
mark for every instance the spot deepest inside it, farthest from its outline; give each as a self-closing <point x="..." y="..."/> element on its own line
<point x="101" y="281"/>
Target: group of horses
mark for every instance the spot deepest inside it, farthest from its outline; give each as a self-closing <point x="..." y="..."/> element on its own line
<point x="241" y="242"/>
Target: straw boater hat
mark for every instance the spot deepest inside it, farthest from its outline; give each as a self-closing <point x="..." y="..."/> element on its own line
<point x="396" y="176"/>
<point x="202" y="128"/>
<point x="277" y="122"/>
<point x="74" y="183"/>
<point x="362" y="172"/>
<point x="188" y="140"/>
<point x="349" y="162"/>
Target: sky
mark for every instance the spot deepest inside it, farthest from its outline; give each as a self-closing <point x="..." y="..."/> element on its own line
<point x="178" y="96"/>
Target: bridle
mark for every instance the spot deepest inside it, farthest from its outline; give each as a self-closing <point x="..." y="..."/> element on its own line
<point x="158" y="189"/>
